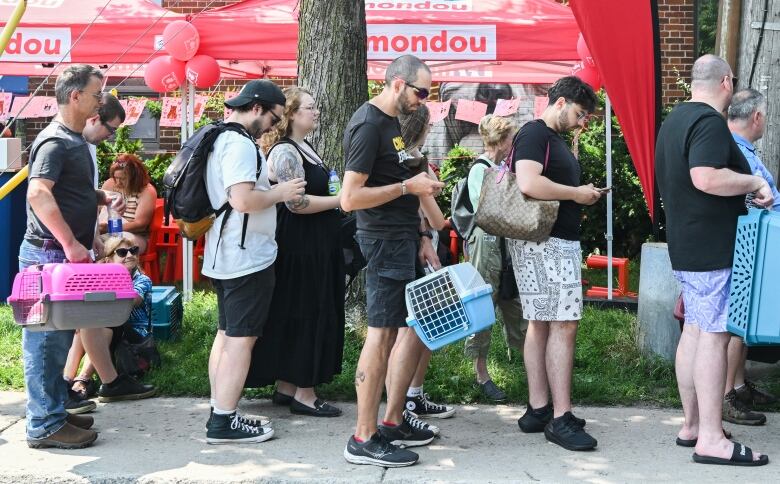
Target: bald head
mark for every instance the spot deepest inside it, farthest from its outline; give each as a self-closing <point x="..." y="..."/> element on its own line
<point x="708" y="72"/>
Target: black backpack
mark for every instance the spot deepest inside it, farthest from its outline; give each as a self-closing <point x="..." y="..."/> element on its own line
<point x="186" y="197"/>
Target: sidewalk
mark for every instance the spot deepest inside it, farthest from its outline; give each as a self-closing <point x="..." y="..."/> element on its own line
<point x="163" y="440"/>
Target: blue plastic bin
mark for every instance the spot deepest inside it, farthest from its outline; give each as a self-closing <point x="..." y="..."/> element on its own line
<point x="449" y="305"/>
<point x="14" y="219"/>
<point x="754" y="305"/>
<point x="167" y="312"/>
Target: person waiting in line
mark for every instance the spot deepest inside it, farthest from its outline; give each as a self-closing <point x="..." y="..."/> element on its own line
<point x="129" y="176"/>
<point x="302" y="344"/>
<point x="119" y="250"/>
<point x="490" y="257"/>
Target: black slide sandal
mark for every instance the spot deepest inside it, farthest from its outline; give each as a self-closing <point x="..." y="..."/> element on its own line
<point x="741" y="456"/>
<point x="692" y="442"/>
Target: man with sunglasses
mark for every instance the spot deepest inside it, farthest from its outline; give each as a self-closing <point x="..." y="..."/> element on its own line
<point x="379" y="185"/>
<point x="240" y="253"/>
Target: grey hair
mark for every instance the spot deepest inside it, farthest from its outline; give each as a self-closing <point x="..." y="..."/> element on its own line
<point x="745" y="103"/>
<point x="709" y="70"/>
<point x="406" y="68"/>
<point x="74" y="78"/>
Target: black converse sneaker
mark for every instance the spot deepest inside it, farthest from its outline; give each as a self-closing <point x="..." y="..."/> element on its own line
<point x="262" y="422"/>
<point x="416" y="423"/>
<point x="427" y="409"/>
<point x="378" y="451"/>
<point x="405" y="435"/>
<point x="567" y="432"/>
<point x="226" y="429"/>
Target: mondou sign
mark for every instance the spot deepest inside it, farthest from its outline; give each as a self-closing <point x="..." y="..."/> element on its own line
<point x="420" y="6"/>
<point x="29" y="44"/>
<point x="431" y="41"/>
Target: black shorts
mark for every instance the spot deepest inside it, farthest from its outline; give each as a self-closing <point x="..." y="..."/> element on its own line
<point x="391" y="266"/>
<point x="243" y="302"/>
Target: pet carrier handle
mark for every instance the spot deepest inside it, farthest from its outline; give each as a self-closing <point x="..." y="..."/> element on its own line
<point x="100" y="296"/>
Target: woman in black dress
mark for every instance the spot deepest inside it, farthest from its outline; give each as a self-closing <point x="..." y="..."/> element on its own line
<point x="303" y="341"/>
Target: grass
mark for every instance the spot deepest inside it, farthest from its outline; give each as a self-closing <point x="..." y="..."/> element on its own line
<point x="609" y="369"/>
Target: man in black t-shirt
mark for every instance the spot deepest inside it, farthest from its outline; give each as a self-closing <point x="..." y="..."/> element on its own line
<point x="703" y="178"/>
<point x="548" y="272"/>
<point x="383" y="191"/>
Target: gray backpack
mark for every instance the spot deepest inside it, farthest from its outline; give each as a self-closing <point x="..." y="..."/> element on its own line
<point x="462" y="212"/>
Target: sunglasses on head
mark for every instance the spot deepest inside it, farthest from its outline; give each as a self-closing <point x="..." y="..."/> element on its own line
<point x="123" y="251"/>
<point x="420" y="92"/>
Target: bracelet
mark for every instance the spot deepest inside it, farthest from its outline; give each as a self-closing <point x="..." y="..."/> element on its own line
<point x="426" y="233"/>
<point x="403" y="188"/>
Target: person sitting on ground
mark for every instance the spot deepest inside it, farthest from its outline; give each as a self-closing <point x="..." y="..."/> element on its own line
<point x="129" y="177"/>
<point x="119" y="250"/>
<point x="490" y="257"/>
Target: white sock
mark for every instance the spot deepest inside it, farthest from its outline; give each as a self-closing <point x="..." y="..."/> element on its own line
<point x="414" y="392"/>
<point x="737" y="388"/>
<point x="219" y="411"/>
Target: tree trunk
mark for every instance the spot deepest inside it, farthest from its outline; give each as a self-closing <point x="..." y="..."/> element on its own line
<point x="767" y="70"/>
<point x="332" y="65"/>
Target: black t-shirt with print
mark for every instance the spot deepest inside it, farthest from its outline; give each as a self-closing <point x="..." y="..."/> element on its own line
<point x="373" y="146"/>
<point x="700" y="228"/>
<point x="562" y="167"/>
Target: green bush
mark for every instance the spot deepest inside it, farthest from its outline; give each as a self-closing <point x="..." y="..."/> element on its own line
<point x="454" y="167"/>
<point x="107" y="151"/>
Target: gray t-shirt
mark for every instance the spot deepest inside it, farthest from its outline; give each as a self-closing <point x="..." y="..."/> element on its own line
<point x="62" y="156"/>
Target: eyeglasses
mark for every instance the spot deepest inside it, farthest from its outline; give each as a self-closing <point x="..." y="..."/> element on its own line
<point x="309" y="108"/>
<point x="734" y="80"/>
<point x="111" y="130"/>
<point x="98" y="96"/>
<point x="420" y="92"/>
<point x="583" y="116"/>
<point x="122" y="251"/>
<point x="276" y="118"/>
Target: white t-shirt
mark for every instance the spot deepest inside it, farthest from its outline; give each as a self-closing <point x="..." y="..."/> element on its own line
<point x="93" y="152"/>
<point x="234" y="160"/>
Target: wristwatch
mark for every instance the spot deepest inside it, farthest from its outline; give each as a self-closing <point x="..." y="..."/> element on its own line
<point x="426" y="233"/>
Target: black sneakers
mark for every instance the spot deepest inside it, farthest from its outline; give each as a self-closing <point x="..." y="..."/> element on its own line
<point x="534" y="420"/>
<point x="427" y="409"/>
<point x="261" y="422"/>
<point x="125" y="387"/>
<point x="378" y="451"/>
<point x="405" y="435"/>
<point x="231" y="429"/>
<point x="75" y="405"/>
<point x="418" y="424"/>
<point x="491" y="391"/>
<point x="567" y="432"/>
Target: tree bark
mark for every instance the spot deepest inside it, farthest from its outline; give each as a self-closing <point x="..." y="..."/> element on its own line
<point x="767" y="70"/>
<point x="332" y="65"/>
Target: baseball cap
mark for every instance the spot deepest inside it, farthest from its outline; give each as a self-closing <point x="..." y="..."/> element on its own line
<point x="257" y="90"/>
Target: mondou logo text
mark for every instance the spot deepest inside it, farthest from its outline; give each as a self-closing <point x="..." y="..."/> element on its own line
<point x="38" y="45"/>
<point x="432" y="42"/>
<point x="421" y="5"/>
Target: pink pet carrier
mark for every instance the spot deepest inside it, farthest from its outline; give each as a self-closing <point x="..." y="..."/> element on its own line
<point x="71" y="296"/>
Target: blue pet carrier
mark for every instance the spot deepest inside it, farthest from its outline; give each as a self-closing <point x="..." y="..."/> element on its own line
<point x="167" y="311"/>
<point x="754" y="305"/>
<point x="448" y="305"/>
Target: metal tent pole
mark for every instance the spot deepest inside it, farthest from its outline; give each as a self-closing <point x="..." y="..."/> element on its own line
<point x="608" y="116"/>
<point x="186" y="246"/>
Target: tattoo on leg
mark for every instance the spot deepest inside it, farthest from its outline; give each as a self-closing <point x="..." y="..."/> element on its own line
<point x="360" y="377"/>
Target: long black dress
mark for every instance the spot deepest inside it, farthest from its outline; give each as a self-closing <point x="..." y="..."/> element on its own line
<point x="303" y="340"/>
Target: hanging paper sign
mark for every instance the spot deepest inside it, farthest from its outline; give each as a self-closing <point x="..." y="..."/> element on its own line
<point x="506" y="107"/>
<point x="200" y="106"/>
<point x="540" y="104"/>
<point x="170" y="115"/>
<point x="5" y="104"/>
<point x="228" y="96"/>
<point x="133" y="110"/>
<point x="438" y="111"/>
<point x="471" y="111"/>
<point x="39" y="107"/>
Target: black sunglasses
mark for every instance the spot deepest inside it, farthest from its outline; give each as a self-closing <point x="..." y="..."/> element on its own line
<point x="420" y="92"/>
<point x="111" y="130"/>
<point x="122" y="251"/>
<point x="276" y="118"/>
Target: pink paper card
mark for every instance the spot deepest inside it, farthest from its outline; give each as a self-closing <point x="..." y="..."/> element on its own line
<point x="506" y="107"/>
<point x="471" y="111"/>
<point x="439" y="111"/>
<point x="18" y="103"/>
<point x="540" y="104"/>
<point x="5" y="103"/>
<point x="170" y="116"/>
<point x="228" y="96"/>
<point x="200" y="106"/>
<point x="39" y="107"/>
<point x="133" y="110"/>
<point x="46" y="106"/>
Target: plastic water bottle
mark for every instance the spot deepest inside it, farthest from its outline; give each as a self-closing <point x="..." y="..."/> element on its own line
<point x="334" y="184"/>
<point x="114" y="218"/>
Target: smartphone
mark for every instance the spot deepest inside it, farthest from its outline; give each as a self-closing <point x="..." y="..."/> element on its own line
<point x="605" y="189"/>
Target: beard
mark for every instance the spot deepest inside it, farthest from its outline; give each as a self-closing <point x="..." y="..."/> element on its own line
<point x="256" y="128"/>
<point x="404" y="106"/>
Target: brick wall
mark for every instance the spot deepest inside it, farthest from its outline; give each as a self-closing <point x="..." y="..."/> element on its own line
<point x="676" y="25"/>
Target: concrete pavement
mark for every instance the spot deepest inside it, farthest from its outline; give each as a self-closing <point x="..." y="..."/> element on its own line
<point x="163" y="440"/>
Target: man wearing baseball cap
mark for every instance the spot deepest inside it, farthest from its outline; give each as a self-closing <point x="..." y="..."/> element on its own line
<point x="240" y="261"/>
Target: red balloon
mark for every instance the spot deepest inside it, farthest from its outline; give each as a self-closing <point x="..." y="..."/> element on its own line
<point x="203" y="71"/>
<point x="164" y="73"/>
<point x="181" y="40"/>
<point x="584" y="52"/>
<point x="588" y="74"/>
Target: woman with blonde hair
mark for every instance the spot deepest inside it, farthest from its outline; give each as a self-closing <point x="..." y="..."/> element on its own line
<point x="303" y="341"/>
<point x="489" y="255"/>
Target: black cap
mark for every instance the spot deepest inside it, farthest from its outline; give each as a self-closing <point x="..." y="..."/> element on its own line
<point x="258" y="90"/>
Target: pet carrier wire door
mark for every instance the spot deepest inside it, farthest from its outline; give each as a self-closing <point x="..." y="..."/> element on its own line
<point x="754" y="305"/>
<point x="448" y="305"/>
